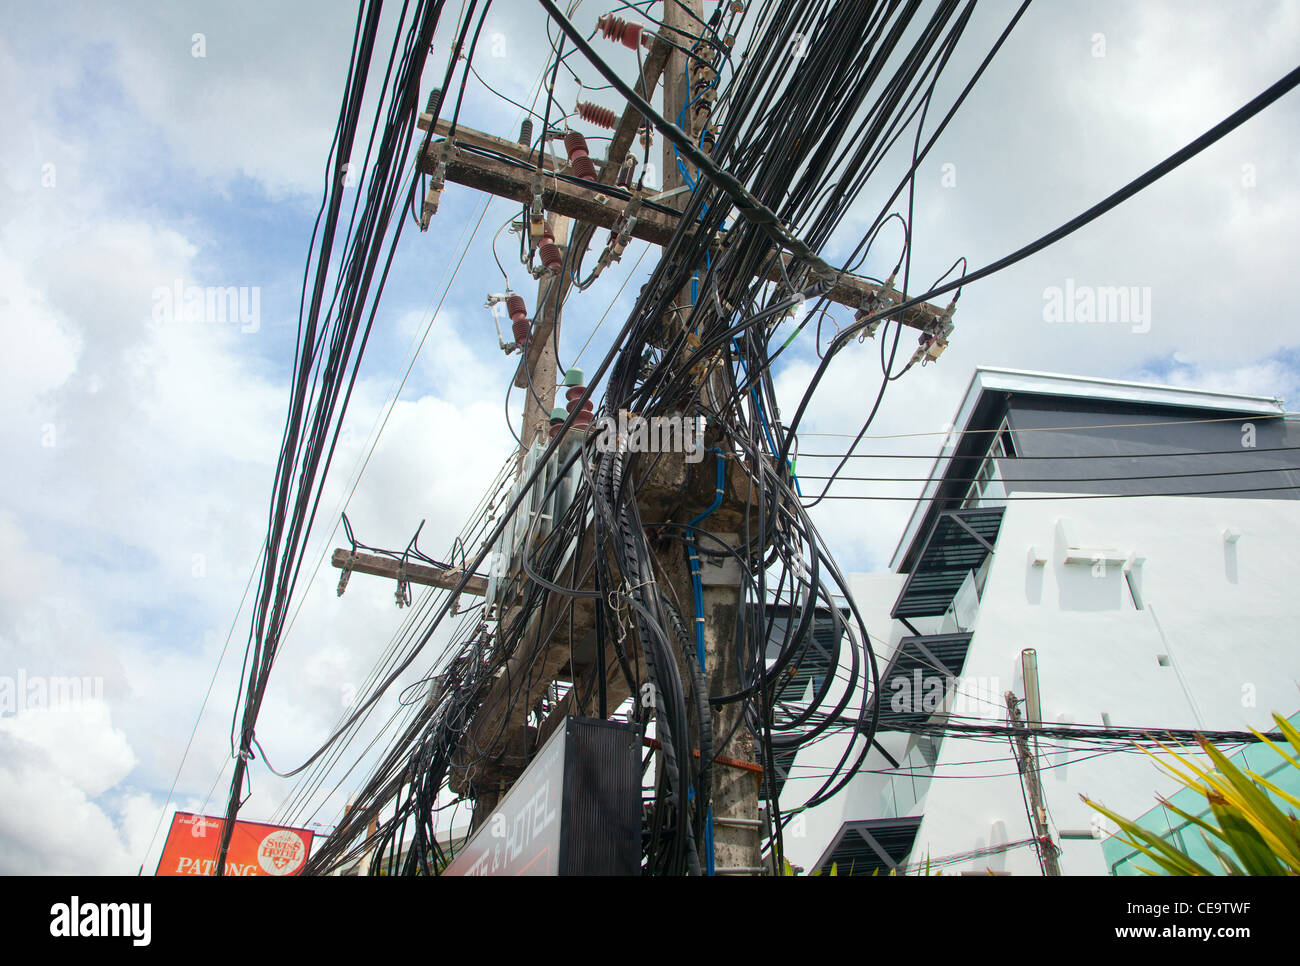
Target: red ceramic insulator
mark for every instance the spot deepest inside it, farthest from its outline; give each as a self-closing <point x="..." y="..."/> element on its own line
<point x="597" y="115"/>
<point x="572" y="395"/>
<point x="551" y="257"/>
<point x="579" y="157"/>
<point x="521" y="331"/>
<point x="620" y="31"/>
<point x="516" y="307"/>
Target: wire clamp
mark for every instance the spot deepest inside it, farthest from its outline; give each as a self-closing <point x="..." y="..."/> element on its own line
<point x="433" y="196"/>
<point x="344" y="575"/>
<point x="403" y="594"/>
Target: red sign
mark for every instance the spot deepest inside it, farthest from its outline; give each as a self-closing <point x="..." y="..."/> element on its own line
<point x="194" y="841"/>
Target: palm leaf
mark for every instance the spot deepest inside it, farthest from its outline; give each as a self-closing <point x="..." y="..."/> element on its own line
<point x="1225" y="860"/>
<point x="1241" y="834"/>
<point x="1145" y="841"/>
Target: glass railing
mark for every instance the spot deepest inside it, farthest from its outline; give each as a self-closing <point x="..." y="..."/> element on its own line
<point x="960" y="615"/>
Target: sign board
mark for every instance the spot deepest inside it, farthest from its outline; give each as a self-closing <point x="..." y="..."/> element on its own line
<point x="194" y="841"/>
<point x="576" y="809"/>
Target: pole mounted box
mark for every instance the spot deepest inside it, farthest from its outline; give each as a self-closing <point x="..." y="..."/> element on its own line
<point x="576" y="809"/>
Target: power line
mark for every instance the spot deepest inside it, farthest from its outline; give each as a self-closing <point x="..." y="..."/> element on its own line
<point x="1240" y="451"/>
<point x="1078" y="496"/>
<point x="1069" y="429"/>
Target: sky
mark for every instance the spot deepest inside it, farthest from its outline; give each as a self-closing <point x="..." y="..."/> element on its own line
<point x="155" y="146"/>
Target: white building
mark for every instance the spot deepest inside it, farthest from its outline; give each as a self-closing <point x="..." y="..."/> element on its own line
<point x="1142" y="541"/>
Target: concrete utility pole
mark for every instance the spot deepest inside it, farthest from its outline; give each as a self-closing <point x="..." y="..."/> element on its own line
<point x="539" y="355"/>
<point x="1028" y="764"/>
<point x="680" y="27"/>
<point x="737" y="831"/>
<point x="499" y="737"/>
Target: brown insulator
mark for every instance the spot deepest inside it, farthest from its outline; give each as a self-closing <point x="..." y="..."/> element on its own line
<point x="572" y="395"/>
<point x="520" y="327"/>
<point x="619" y="30"/>
<point x="579" y="157"/>
<point x="551" y="257"/>
<point x="597" y="115"/>
<point x="516" y="307"/>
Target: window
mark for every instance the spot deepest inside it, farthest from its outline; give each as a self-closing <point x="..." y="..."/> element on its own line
<point x="987" y="488"/>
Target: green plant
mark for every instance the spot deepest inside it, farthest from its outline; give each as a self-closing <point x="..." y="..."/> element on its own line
<point x="1253" y="835"/>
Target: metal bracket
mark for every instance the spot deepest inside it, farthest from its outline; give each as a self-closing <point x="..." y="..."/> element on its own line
<point x="403" y="594"/>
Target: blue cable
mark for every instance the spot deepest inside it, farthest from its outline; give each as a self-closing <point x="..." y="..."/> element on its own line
<point x="697" y="592"/>
<point x="767" y="431"/>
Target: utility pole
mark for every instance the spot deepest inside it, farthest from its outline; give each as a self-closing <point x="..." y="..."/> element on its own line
<point x="540" y="362"/>
<point x="1047" y="850"/>
<point x="736" y="831"/>
<point x="499" y="741"/>
<point x="680" y="27"/>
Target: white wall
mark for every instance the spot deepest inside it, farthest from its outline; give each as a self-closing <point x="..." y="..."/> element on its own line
<point x="1225" y="615"/>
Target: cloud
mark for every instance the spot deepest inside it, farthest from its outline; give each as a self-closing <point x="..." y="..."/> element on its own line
<point x="53" y="764"/>
<point x="140" y="451"/>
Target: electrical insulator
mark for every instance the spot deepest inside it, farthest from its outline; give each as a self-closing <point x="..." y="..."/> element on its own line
<point x="558" y="415"/>
<point x="620" y="31"/>
<point x="700" y="115"/>
<point x="597" y="115"/>
<point x="549" y="251"/>
<point x="526" y="132"/>
<point x="702" y="72"/>
<point x="435" y="102"/>
<point x="518" y="318"/>
<point x="574" y="380"/>
<point x="579" y="157"/>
